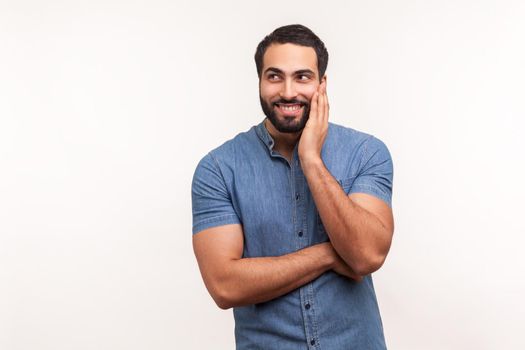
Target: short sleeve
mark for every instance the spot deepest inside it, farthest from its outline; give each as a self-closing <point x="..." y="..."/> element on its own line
<point x="377" y="172"/>
<point x="210" y="199"/>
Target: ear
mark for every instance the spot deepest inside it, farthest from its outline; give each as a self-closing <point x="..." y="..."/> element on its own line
<point x="323" y="79"/>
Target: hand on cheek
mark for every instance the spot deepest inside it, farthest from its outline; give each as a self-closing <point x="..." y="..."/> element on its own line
<point x="314" y="133"/>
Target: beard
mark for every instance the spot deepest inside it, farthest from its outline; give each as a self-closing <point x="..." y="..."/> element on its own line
<point x="286" y="125"/>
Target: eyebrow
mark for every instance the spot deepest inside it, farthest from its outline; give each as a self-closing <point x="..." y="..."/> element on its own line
<point x="300" y="71"/>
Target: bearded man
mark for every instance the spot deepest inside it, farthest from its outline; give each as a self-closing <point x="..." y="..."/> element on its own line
<point x="291" y="217"/>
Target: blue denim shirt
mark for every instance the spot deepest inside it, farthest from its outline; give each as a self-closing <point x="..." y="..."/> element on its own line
<point x="245" y="181"/>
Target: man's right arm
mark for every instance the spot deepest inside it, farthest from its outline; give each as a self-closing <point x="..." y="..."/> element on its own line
<point x="235" y="281"/>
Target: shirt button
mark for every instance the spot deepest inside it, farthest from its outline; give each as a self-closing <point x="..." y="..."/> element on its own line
<point x="296" y="196"/>
<point x="307" y="306"/>
<point x="300" y="233"/>
<point x="312" y="341"/>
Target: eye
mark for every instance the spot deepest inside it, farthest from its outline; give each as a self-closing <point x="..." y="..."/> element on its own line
<point x="273" y="76"/>
<point x="304" y="77"/>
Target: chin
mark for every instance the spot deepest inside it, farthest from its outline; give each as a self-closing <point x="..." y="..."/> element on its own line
<point x="296" y="126"/>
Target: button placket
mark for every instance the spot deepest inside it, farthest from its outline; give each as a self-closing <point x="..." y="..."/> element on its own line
<point x="300" y="187"/>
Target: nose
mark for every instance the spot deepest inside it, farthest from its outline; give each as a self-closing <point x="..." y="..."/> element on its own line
<point x="288" y="91"/>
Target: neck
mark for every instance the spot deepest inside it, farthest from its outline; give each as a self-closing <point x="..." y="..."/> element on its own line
<point x="283" y="141"/>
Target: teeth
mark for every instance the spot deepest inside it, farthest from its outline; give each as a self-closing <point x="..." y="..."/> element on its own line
<point x="290" y="108"/>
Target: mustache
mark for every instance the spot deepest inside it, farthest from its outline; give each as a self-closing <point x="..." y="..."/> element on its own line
<point x="292" y="101"/>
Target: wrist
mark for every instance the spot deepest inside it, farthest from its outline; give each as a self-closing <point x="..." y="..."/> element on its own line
<point x="311" y="162"/>
<point x="329" y="255"/>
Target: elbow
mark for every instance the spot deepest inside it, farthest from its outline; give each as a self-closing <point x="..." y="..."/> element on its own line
<point x="369" y="264"/>
<point x="222" y="297"/>
<point x="223" y="304"/>
<point x="371" y="259"/>
<point x="224" y="289"/>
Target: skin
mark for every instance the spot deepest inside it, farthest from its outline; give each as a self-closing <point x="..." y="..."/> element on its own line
<point x="360" y="226"/>
<point x="289" y="59"/>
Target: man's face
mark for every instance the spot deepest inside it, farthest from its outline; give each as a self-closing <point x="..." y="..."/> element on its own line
<point x="288" y="81"/>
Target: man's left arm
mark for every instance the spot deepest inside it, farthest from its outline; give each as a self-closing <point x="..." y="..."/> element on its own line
<point x="360" y="226"/>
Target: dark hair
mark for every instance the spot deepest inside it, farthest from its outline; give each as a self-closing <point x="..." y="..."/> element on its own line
<point x="294" y="34"/>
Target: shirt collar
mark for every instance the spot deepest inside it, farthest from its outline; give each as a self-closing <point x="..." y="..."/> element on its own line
<point x="265" y="136"/>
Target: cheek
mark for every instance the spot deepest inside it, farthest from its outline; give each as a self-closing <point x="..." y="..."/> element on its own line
<point x="308" y="91"/>
<point x="268" y="91"/>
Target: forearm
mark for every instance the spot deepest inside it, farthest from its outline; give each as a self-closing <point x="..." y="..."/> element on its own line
<point x="256" y="280"/>
<point x="356" y="234"/>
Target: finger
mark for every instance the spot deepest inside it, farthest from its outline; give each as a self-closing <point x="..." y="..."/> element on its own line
<point x="320" y="108"/>
<point x="323" y="111"/>
<point x="321" y="103"/>
<point x="313" y="106"/>
<point x="326" y="108"/>
<point x="315" y="99"/>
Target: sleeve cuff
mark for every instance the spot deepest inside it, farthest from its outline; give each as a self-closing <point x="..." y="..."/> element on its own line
<point x="374" y="191"/>
<point x="216" y="221"/>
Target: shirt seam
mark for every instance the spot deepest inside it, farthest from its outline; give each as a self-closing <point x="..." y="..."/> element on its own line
<point x="214" y="218"/>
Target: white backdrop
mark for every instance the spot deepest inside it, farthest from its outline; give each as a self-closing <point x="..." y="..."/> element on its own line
<point x="107" y="106"/>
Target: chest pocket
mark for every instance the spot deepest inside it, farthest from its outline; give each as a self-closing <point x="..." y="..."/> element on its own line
<point x="346" y="185"/>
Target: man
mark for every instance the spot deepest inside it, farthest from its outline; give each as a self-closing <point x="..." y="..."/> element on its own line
<point x="291" y="217"/>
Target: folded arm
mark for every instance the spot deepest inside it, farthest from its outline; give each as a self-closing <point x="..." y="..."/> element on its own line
<point x="360" y="226"/>
<point x="234" y="281"/>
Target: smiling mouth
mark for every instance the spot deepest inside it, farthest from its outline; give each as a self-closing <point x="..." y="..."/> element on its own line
<point x="289" y="108"/>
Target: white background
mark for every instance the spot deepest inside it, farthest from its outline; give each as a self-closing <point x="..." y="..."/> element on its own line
<point x="107" y="106"/>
